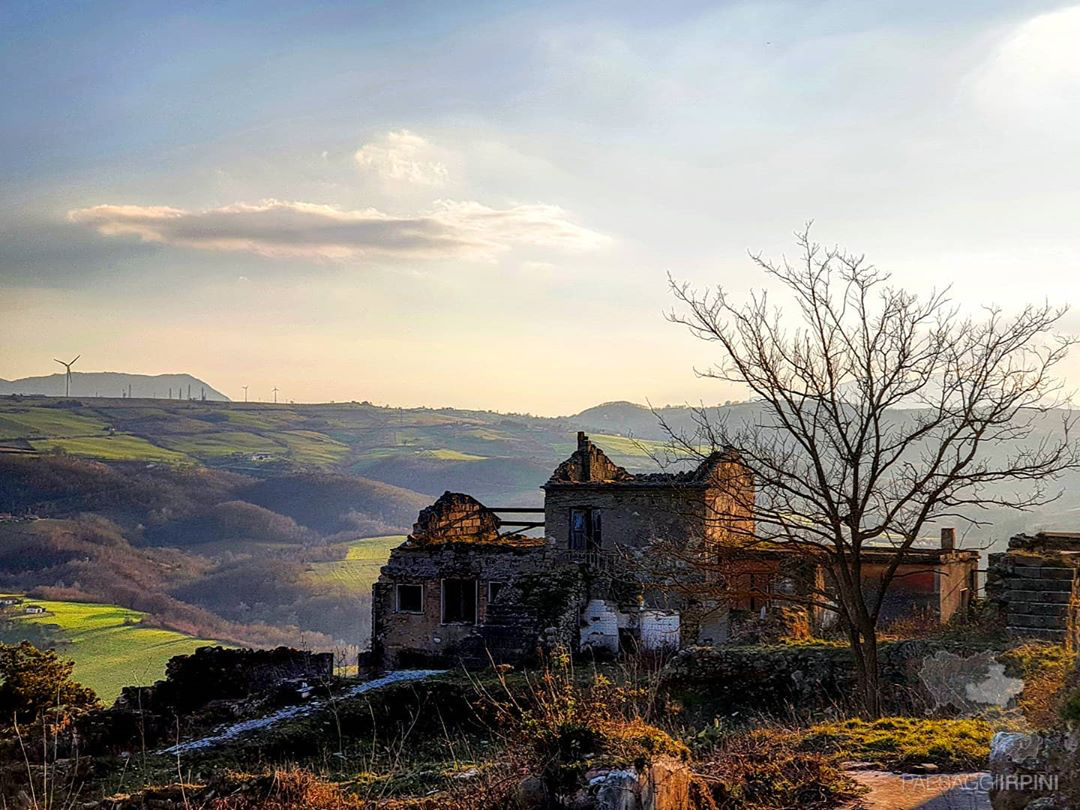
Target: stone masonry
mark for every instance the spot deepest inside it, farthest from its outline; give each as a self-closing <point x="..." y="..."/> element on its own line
<point x="627" y="561"/>
<point x="1034" y="585"/>
<point x="459" y="592"/>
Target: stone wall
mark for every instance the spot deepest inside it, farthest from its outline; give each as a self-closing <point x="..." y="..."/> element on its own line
<point x="1036" y="594"/>
<point x="803" y="677"/>
<point x="507" y="627"/>
<point x="211" y="682"/>
<point x="453" y="517"/>
<point x="632" y="515"/>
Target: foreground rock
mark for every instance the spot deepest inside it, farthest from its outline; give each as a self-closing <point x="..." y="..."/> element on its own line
<point x="664" y="784"/>
<point x="1033" y="771"/>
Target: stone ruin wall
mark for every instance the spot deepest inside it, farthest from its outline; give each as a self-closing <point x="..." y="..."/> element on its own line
<point x="1035" y="592"/>
<point x="455" y="517"/>
<point x="414" y="639"/>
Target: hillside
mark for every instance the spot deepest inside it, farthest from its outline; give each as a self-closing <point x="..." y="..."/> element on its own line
<point x="111" y="646"/>
<point x="207" y="552"/>
<point x="113" y="384"/>
<point x="502" y="459"/>
<point x="235" y="520"/>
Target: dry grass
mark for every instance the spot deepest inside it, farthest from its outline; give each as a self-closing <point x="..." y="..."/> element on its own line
<point x="765" y="769"/>
<point x="1046" y="670"/>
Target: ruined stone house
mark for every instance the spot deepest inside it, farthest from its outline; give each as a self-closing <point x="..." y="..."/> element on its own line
<point x="614" y="569"/>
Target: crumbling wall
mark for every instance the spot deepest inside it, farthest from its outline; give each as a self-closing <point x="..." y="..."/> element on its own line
<point x="1035" y="593"/>
<point x="455" y="517"/>
<point x="588" y="463"/>
<point x="402" y="639"/>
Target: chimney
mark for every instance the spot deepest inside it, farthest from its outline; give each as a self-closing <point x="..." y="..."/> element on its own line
<point x="948" y="539"/>
<point x="586" y="456"/>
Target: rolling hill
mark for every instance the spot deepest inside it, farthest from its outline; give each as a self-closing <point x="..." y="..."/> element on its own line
<point x="111" y="646"/>
<point x="113" y="384"/>
<point x="239" y="521"/>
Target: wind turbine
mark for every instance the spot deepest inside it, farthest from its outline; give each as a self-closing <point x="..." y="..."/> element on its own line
<point x="275" y="393"/>
<point x="245" y="392"/>
<point x="67" y="375"/>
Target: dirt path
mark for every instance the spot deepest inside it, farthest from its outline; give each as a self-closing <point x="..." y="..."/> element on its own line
<point x="247" y="726"/>
<point x="905" y="791"/>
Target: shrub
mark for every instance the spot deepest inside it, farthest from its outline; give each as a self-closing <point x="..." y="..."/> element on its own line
<point x="565" y="728"/>
<point x="1046" y="670"/>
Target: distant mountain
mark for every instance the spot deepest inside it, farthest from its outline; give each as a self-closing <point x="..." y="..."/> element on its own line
<point x="631" y="419"/>
<point x="115" y="384"/>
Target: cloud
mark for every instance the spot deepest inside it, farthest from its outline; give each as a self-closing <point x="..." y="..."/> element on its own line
<point x="402" y="156"/>
<point x="308" y="230"/>
<point x="1035" y="69"/>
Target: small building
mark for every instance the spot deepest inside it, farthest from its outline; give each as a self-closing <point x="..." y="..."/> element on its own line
<point x="461" y="589"/>
<point x="33" y="609"/>
<point x="9" y="601"/>
<point x="935" y="582"/>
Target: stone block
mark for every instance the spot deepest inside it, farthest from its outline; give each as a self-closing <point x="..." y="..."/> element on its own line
<point x="1059" y="597"/>
<point x="1040" y="584"/>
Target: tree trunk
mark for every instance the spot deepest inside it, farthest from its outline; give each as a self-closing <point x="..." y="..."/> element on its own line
<point x="864" y="647"/>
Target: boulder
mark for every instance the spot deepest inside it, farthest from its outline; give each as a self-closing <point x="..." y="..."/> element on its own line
<point x="1026" y="769"/>
<point x="664" y="784"/>
<point x="532" y="794"/>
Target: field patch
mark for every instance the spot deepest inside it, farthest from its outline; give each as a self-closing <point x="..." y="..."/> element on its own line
<point x="310" y="447"/>
<point x="110" y="448"/>
<point x="625" y="446"/>
<point x="110" y="646"/>
<point x="452" y="455"/>
<point x="29" y="422"/>
<point x="359" y="568"/>
<point x="224" y="443"/>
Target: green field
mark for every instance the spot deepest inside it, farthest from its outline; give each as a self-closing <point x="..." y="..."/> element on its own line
<point x="453" y="455"/>
<point x="359" y="568"/>
<point x="32" y="422"/>
<point x="110" y="448"/>
<point x="624" y="446"/>
<point x="109" y="645"/>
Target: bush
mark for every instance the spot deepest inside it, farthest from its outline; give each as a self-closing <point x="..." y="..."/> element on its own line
<point x="565" y="727"/>
<point x="1046" y="670"/>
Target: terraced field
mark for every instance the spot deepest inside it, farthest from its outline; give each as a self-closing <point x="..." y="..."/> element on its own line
<point x="110" y="646"/>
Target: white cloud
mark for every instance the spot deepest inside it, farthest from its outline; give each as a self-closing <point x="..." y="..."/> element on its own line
<point x="308" y="230"/>
<point x="1035" y="68"/>
<point x="402" y="156"/>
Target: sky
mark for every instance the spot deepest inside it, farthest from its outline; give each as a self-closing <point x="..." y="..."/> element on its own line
<point x="479" y="204"/>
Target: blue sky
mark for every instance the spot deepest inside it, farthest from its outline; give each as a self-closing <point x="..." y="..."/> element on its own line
<point x="477" y="204"/>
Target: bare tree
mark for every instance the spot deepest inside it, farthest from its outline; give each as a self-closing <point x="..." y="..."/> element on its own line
<point x="879" y="409"/>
